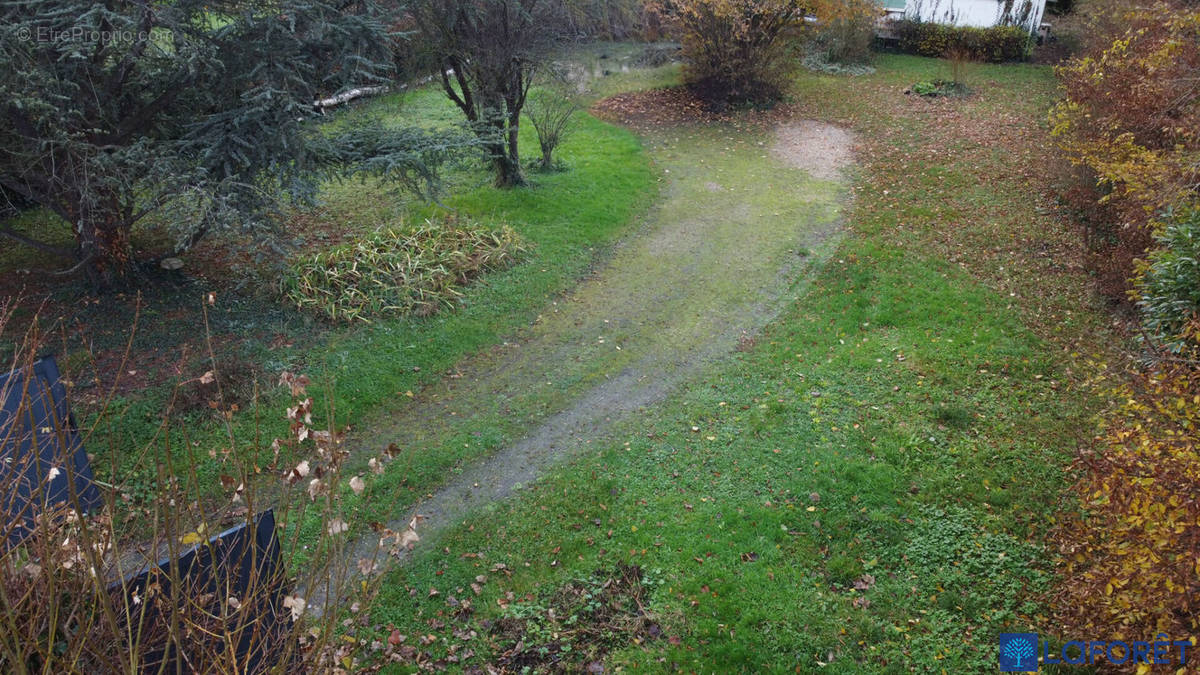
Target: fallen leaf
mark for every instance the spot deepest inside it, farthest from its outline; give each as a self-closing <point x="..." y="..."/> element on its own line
<point x="864" y="582"/>
<point x="296" y="604"/>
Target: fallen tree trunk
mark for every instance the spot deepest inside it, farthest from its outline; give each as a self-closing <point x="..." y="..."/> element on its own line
<point x="347" y="96"/>
<point x="361" y="92"/>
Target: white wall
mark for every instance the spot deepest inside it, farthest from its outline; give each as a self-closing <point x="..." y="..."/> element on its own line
<point x="1026" y="13"/>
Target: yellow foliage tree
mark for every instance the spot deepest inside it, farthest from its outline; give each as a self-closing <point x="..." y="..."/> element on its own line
<point x="1132" y="110"/>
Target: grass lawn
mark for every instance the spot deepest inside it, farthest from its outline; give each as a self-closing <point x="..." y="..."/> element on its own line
<point x="866" y="485"/>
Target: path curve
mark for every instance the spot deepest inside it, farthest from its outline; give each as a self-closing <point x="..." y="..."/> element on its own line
<point x="717" y="260"/>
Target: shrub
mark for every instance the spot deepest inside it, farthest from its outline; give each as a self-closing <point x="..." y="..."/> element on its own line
<point x="399" y="270"/>
<point x="550" y="111"/>
<point x="732" y="49"/>
<point x="996" y="44"/>
<point x="1168" y="286"/>
<point x="845" y="32"/>
<point x="1130" y="120"/>
<point x="940" y="89"/>
<point x="1129" y="559"/>
<point x="1131" y="110"/>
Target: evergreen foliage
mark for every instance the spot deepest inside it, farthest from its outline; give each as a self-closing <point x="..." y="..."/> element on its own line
<point x="114" y="112"/>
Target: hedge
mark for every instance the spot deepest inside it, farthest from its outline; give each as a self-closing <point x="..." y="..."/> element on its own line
<point x="996" y="44"/>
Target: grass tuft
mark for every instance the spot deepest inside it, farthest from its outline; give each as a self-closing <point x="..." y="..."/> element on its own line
<point x="400" y="270"/>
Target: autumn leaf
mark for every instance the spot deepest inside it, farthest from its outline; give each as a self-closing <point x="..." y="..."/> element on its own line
<point x="864" y="582"/>
<point x="301" y="470"/>
<point x="408" y="538"/>
<point x="295" y="383"/>
<point x="296" y="604"/>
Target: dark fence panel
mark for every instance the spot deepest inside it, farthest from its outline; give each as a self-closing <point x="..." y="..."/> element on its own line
<point x="241" y="563"/>
<point x="42" y="461"/>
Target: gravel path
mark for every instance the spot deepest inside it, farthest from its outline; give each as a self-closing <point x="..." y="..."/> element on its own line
<point x="743" y="216"/>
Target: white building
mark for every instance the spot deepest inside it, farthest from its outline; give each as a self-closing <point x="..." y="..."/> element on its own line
<point x="982" y="13"/>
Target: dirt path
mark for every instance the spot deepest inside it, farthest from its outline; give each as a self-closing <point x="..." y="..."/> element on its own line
<point x="744" y="214"/>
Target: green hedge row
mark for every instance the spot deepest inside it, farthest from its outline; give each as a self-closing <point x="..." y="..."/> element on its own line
<point x="996" y="44"/>
<point x="1168" y="285"/>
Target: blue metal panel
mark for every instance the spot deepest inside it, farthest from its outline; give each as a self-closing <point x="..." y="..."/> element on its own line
<point x="42" y="461"/>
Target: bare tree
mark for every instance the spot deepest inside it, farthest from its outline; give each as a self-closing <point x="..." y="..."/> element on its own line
<point x="487" y="52"/>
<point x="550" y="111"/>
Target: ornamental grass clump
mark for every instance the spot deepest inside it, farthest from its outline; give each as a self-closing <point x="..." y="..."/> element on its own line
<point x="400" y="270"/>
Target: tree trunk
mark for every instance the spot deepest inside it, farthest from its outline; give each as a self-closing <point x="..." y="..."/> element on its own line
<point x="508" y="172"/>
<point x="505" y="161"/>
<point x="105" y="252"/>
